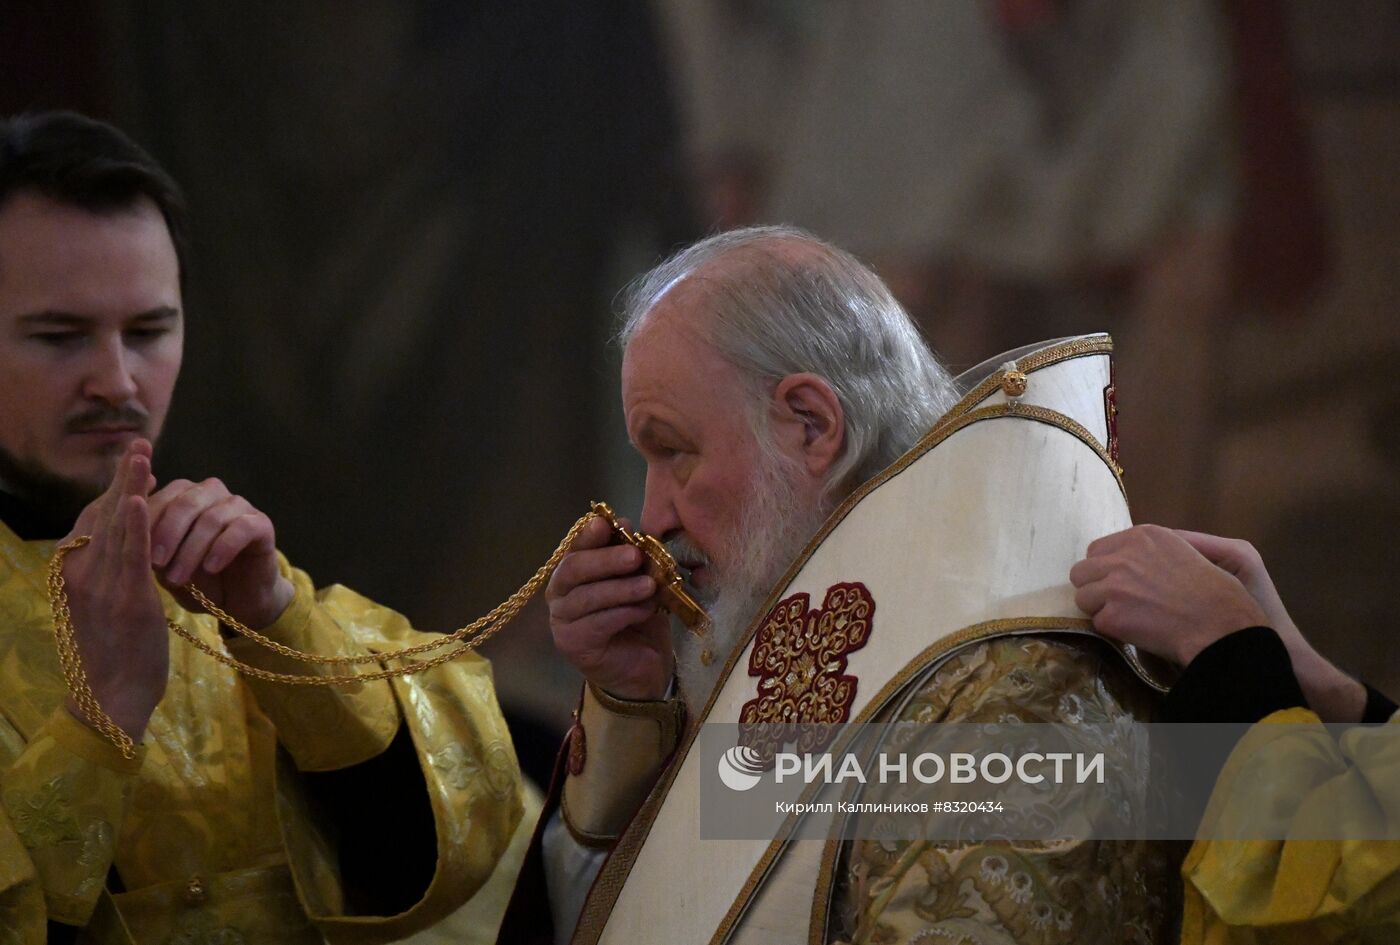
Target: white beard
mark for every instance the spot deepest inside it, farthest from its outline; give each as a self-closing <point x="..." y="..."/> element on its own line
<point x="774" y="525"/>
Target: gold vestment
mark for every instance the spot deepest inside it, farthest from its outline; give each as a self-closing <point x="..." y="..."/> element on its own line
<point x="206" y="828"/>
<point x="1289" y="778"/>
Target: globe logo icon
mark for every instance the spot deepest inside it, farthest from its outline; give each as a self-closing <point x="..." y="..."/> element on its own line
<point x="740" y="768"/>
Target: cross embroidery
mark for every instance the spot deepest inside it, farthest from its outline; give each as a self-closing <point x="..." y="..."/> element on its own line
<point x="799" y="657"/>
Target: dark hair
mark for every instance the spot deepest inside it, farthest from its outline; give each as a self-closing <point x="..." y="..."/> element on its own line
<point x="75" y="160"/>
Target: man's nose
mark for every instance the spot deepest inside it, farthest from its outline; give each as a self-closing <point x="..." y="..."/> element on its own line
<point x="659" y="515"/>
<point x="110" y="377"/>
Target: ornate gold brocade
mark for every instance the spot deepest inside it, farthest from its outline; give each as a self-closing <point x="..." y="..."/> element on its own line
<point x="897" y="892"/>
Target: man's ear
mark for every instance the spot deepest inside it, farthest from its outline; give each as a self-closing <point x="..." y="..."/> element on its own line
<point x="811" y="413"/>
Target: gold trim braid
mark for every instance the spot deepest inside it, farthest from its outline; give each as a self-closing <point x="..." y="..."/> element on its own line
<point x="1079" y="348"/>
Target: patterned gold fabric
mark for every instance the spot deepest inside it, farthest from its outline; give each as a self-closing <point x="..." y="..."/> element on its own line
<point x="1083" y="892"/>
<point x="206" y="828"/>
<point x="1285" y="779"/>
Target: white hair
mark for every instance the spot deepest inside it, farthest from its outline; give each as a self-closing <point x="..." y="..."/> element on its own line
<point x="784" y="302"/>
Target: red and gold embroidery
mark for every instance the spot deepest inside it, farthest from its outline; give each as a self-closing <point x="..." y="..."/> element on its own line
<point x="799" y="657"/>
<point x="1110" y="410"/>
<point x="578" y="749"/>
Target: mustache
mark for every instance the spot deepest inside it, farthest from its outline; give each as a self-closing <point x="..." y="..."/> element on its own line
<point x="685" y="552"/>
<point x="106" y="416"/>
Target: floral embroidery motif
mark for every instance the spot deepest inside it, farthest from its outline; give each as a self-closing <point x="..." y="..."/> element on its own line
<point x="799" y="657"/>
<point x="500" y="770"/>
<point x="99" y="845"/>
<point x="456" y="766"/>
<point x="44" y="818"/>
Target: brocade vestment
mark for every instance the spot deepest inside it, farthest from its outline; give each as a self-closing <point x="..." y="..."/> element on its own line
<point x="1072" y="892"/>
<point x="207" y="834"/>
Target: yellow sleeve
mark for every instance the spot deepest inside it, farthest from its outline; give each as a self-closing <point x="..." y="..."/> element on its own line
<point x="1289" y="777"/>
<point x="1018" y="892"/>
<point x="63" y="800"/>
<point x="324" y="728"/>
<point x="22" y="911"/>
<point x="463" y="750"/>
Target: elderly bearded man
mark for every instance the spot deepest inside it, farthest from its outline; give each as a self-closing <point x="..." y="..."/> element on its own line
<point x="766" y="375"/>
<point x="248" y="811"/>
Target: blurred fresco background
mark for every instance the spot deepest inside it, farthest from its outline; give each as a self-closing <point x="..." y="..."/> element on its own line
<point x="412" y="219"/>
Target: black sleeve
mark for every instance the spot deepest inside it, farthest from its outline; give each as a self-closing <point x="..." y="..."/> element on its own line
<point x="60" y="934"/>
<point x="351" y="801"/>
<point x="1239" y="678"/>
<point x="1379" y="708"/>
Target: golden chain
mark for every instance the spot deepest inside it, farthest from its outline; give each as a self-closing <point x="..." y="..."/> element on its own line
<point x="69" y="659"/>
<point x="479" y="632"/>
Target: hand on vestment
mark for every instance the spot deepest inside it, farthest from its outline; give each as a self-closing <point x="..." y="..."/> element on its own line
<point x="1149" y="587"/>
<point x="1173" y="593"/>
